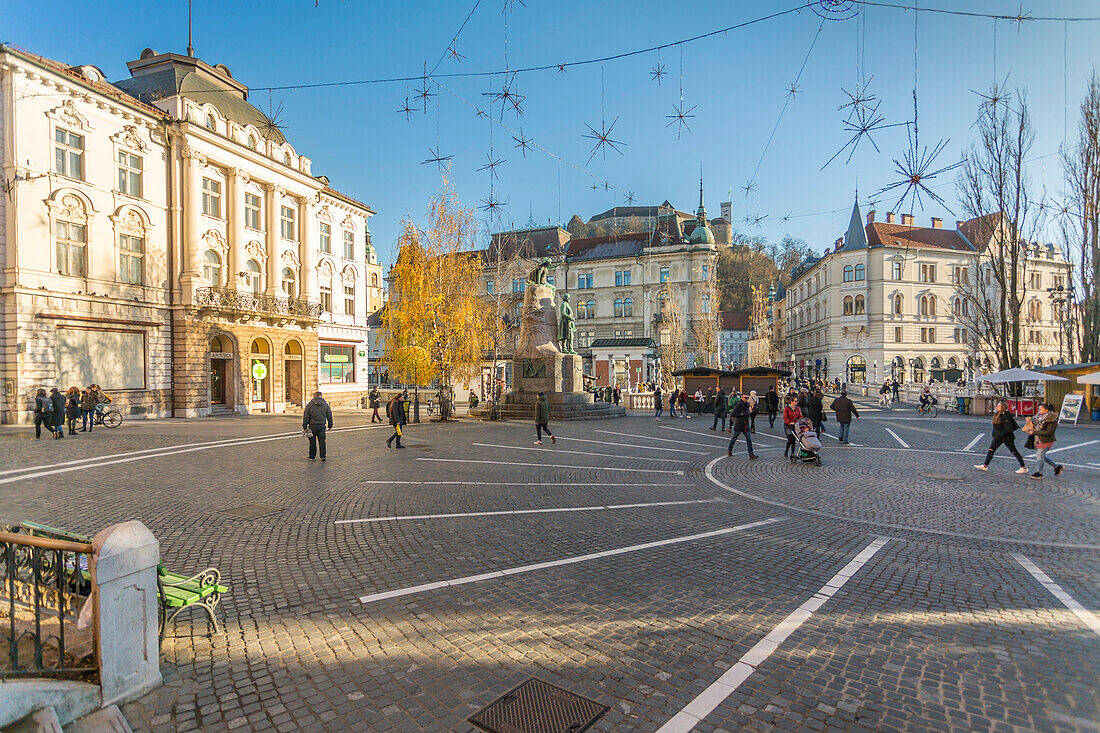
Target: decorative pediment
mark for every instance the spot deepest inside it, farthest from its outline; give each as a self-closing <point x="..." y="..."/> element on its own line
<point x="291" y="260"/>
<point x="350" y="274"/>
<point x="348" y="223"/>
<point x="67" y="114"/>
<point x="325" y="269"/>
<point x="324" y="214"/>
<point x="128" y="137"/>
<point x="215" y="241"/>
<point x="256" y="251"/>
<point x="69" y="206"/>
<point x="130" y="221"/>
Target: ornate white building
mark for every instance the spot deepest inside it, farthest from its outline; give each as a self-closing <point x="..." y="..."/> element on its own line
<point x="160" y="237"/>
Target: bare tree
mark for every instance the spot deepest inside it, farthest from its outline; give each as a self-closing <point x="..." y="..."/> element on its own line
<point x="670" y="330"/>
<point x="704" y="318"/>
<point x="995" y="190"/>
<point x="505" y="262"/>
<point x="1081" y="225"/>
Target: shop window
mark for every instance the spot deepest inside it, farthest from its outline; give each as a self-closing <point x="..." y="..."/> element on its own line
<point x="337" y="364"/>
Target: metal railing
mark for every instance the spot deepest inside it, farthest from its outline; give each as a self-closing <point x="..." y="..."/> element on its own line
<point x="44" y="586"/>
<point x="243" y="302"/>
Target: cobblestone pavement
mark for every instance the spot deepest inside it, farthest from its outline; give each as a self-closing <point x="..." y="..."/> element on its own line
<point x="862" y="595"/>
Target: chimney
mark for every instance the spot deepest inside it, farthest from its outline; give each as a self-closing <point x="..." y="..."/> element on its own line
<point x="959" y="224"/>
<point x="889" y="217"/>
<point x="871" y="216"/>
<point x="839" y="243"/>
<point x="907" y="220"/>
<point x="937" y="223"/>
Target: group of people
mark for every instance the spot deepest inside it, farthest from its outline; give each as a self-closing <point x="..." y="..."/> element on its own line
<point x="1040" y="431"/>
<point x="317" y="420"/>
<point x="804" y="405"/>
<point x="677" y="403"/>
<point x="54" y="411"/>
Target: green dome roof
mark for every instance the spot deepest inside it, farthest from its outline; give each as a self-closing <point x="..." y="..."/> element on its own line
<point x="701" y="234"/>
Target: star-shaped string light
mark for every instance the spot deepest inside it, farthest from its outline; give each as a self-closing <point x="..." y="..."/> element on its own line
<point x="859" y="100"/>
<point x="785" y="218"/>
<point x="996" y="96"/>
<point x="867" y="120"/>
<point x="453" y="51"/>
<point x="424" y="93"/>
<point x="606" y="186"/>
<point x="491" y="165"/>
<point x="755" y="219"/>
<point x="630" y="198"/>
<point x="595" y="187"/>
<point x="522" y="142"/>
<point x="511" y="5"/>
<point x="492" y="205"/>
<point x="436" y="158"/>
<point x="680" y="115"/>
<point x="603" y="139"/>
<point x="658" y="72"/>
<point x="406" y="109"/>
<point x="561" y="68"/>
<point x="272" y="120"/>
<point x="749" y="187"/>
<point x="793" y="90"/>
<point x="508" y="96"/>
<point x="916" y="168"/>
<point x="1019" y="18"/>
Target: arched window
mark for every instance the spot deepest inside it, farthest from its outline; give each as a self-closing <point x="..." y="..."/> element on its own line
<point x="706" y="304"/>
<point x="254" y="276"/>
<point x="898" y="302"/>
<point x="628" y="308"/>
<point x="935" y="364"/>
<point x="932" y="305"/>
<point x="861" y="305"/>
<point x="1035" y="310"/>
<point x="374" y="280"/>
<point x="847" y="273"/>
<point x="1039" y="362"/>
<point x="618" y="307"/>
<point x="918" y="369"/>
<point x="956" y="307"/>
<point x="252" y="142"/>
<point x="928" y="305"/>
<point x="71" y="238"/>
<point x="212" y="267"/>
<point x="860" y="272"/>
<point x="210" y="123"/>
<point x="849" y="305"/>
<point x="817" y="312"/>
<point x="952" y="363"/>
<point x="289" y="282"/>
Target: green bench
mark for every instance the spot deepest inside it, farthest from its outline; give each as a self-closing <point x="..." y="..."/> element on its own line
<point x="176" y="592"/>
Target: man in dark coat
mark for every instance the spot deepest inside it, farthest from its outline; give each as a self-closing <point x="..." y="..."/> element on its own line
<point x="316" y="418"/>
<point x="395" y="410"/>
<point x="844" y="409"/>
<point x="771" y="403"/>
<point x="817" y="410"/>
<point x="542" y="418"/>
<point x="57" y="413"/>
<point x="719" y="410"/>
<point x="739" y="419"/>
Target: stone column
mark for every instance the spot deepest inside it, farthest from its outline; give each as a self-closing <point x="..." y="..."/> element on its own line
<point x="235" y="215"/>
<point x="124" y="574"/>
<point x="308" y="250"/>
<point x="273" y="202"/>
<point x="192" y="212"/>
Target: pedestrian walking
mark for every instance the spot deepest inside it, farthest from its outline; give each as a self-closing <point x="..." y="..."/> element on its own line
<point x="844" y="409"/>
<point x="395" y="411"/>
<point x="771" y="404"/>
<point x="739" y="419"/>
<point x="375" y="400"/>
<point x="732" y="401"/>
<point x="72" y="408"/>
<point x="542" y="419"/>
<point x="817" y="410"/>
<point x="754" y="409"/>
<point x="719" y="410"/>
<point x="405" y="408"/>
<point x="1044" y="425"/>
<point x="684" y="404"/>
<point x="617" y="395"/>
<point x="42" y="417"/>
<point x="895" y="388"/>
<point x="699" y="401"/>
<point x="658" y="405"/>
<point x="791" y="414"/>
<point x="316" y="418"/>
<point x="57" y="413"/>
<point x="87" y="410"/>
<point x="1004" y="433"/>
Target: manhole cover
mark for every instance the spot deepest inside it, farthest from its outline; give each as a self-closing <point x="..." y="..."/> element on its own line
<point x="943" y="476"/>
<point x="251" y="511"/>
<point x="538" y="707"/>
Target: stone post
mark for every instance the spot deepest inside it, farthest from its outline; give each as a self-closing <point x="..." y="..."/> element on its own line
<point x="192" y="213"/>
<point x="235" y="214"/>
<point x="124" y="575"/>
<point x="308" y="253"/>
<point x="273" y="202"/>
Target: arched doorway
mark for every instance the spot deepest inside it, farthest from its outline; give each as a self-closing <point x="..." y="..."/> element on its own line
<point x="897" y="369"/>
<point x="221" y="357"/>
<point x="855" y="370"/>
<point x="918" y="369"/>
<point x="259" y="374"/>
<point x="292" y="373"/>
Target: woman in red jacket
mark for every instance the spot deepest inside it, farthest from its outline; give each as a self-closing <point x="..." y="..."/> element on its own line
<point x="791" y="415"/>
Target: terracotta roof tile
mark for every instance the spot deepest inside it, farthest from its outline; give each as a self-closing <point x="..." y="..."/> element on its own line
<point x="883" y="234"/>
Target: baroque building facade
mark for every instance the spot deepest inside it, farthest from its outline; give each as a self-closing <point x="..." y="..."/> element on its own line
<point x="194" y="263"/>
<point x="893" y="300"/>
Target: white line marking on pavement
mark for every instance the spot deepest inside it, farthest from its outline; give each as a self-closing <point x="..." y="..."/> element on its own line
<point x="974" y="442"/>
<point x="575" y="452"/>
<point x="836" y="438"/>
<point x="551" y="465"/>
<point x="709" y="699"/>
<point x="1087" y="617"/>
<point x="564" y="561"/>
<point x="1071" y="447"/>
<point x="511" y="483"/>
<point x="641" y="437"/>
<point x="897" y="438"/>
<point x="527" y="511"/>
<point x="631" y="445"/>
<point x="174" y="450"/>
<point x="717" y="436"/>
<point x="709" y="473"/>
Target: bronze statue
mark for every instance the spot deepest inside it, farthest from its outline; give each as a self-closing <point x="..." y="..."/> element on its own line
<point x="539" y="276"/>
<point x="567" y="326"/>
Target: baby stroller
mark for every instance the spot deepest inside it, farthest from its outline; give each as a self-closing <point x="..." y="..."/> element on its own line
<point x="806" y="442"/>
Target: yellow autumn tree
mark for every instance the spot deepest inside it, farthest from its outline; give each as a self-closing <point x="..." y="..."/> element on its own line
<point x="435" y="320"/>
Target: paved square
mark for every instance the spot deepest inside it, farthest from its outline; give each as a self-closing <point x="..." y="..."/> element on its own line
<point x="631" y="562"/>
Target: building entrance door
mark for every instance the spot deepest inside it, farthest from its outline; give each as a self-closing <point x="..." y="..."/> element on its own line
<point x="217" y="381"/>
<point x="292" y="374"/>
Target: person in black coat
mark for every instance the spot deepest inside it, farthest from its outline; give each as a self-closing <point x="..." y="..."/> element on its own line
<point x="739" y="418"/>
<point x="396" y="412"/>
<point x="57" y="413"/>
<point x="771" y="404"/>
<point x="719" y="410"/>
<point x="817" y="410"/>
<point x="316" y="418"/>
<point x="42" y="413"/>
<point x="1004" y="433"/>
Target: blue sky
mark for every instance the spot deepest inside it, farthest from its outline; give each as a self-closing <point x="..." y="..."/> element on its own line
<point x="737" y="81"/>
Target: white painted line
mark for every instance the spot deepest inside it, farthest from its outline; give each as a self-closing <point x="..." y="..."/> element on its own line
<point x="526" y="511"/>
<point x="974" y="442"/>
<point x="574" y="452"/>
<point x="511" y="483"/>
<point x="550" y="465"/>
<point x="718" y="436"/>
<point x="176" y="450"/>
<point x="641" y="437"/>
<point x="1071" y="447"/>
<point x="630" y="445"/>
<point x="709" y="699"/>
<point x="1089" y="618"/>
<point x="897" y="438"/>
<point x="564" y="561"/>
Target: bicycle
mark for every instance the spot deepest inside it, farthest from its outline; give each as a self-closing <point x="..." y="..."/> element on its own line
<point x="107" y="418"/>
<point x="929" y="411"/>
<point x="885" y="401"/>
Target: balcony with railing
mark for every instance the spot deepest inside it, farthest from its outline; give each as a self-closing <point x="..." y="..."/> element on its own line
<point x="244" y="303"/>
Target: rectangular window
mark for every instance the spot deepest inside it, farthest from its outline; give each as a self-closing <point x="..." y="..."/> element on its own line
<point x="622" y="278"/>
<point x="519" y="286"/>
<point x="349" y="245"/>
<point x="71" y="240"/>
<point x="928" y="273"/>
<point x="1036" y="280"/>
<point x="664" y="274"/>
<point x="68" y="151"/>
<point x="895" y="270"/>
<point x="288" y="222"/>
<point x="337" y="364"/>
<point x="326" y="299"/>
<point x="326" y="238"/>
<point x="130" y="254"/>
<point x="584" y="280"/>
<point x="897" y="334"/>
<point x="706" y="272"/>
<point x="349" y="300"/>
<point x="252" y="211"/>
<point x="212" y="197"/>
<point x="550" y="279"/>
<point x="489" y="287"/>
<point x="129" y="174"/>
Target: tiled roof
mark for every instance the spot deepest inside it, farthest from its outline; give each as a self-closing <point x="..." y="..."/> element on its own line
<point x="639" y="211"/>
<point x="733" y="320"/>
<point x="980" y="230"/>
<point x="903" y="235"/>
<point x="606" y="247"/>
<point x="615" y="343"/>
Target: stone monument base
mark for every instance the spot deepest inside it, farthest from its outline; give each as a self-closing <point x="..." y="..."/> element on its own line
<point x="561" y="378"/>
